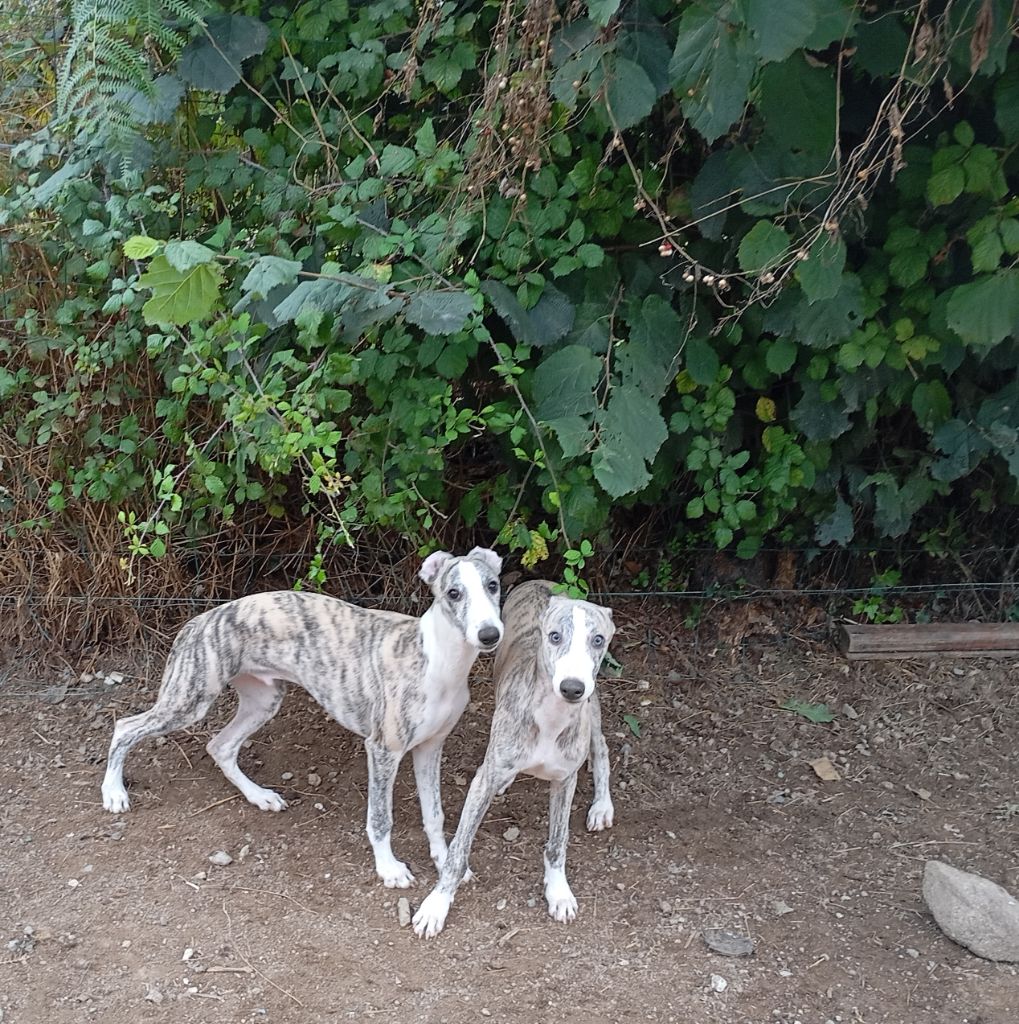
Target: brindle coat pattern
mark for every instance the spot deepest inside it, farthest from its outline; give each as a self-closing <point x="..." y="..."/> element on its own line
<point x="398" y="681"/>
<point x="549" y="641"/>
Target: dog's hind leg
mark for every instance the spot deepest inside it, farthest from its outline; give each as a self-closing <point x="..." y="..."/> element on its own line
<point x="258" y="701"/>
<point x="382" y="767"/>
<point x="185" y="697"/>
<point x="562" y="904"/>
<point x="601" y="814"/>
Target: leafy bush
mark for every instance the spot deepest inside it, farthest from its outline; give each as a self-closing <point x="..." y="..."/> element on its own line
<point x="537" y="267"/>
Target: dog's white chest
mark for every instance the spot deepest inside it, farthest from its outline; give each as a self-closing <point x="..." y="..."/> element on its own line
<point x="549" y="758"/>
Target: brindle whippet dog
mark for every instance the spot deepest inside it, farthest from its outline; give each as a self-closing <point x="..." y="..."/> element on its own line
<point x="398" y="681"/>
<point x="547" y="720"/>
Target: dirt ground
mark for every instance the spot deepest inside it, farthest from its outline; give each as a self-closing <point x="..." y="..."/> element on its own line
<point x="720" y="822"/>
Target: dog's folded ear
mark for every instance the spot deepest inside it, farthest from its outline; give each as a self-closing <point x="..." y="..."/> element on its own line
<point x="488" y="556"/>
<point x="432" y="566"/>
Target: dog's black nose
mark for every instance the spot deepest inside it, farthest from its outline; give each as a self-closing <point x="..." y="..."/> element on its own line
<point x="489" y="636"/>
<point x="572" y="689"/>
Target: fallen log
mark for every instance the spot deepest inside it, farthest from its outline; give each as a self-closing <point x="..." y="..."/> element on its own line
<point x="934" y="640"/>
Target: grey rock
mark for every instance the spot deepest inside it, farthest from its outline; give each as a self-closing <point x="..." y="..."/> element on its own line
<point x="728" y="943"/>
<point x="403" y="911"/>
<point x="973" y="911"/>
<point x="221" y="858"/>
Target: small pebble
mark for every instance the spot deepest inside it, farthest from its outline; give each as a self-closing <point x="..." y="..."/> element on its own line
<point x="220" y="858"/>
<point x="501" y="905"/>
<point x="511" y="834"/>
<point x="718" y="983"/>
<point x="314" y="780"/>
<point x="73" y="883"/>
<point x="485" y="1011"/>
<point x="188" y="954"/>
<point x="914" y="953"/>
<point x="287" y="776"/>
<point x="403" y="911"/>
<point x="153" y="995"/>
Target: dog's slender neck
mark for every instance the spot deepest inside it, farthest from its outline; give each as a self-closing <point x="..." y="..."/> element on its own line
<point x="445" y="647"/>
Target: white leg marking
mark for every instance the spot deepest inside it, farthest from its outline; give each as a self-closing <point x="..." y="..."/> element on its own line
<point x="431" y="915"/>
<point x="394" y="873"/>
<point x="562" y="904"/>
<point x="601" y="815"/>
<point x="115" y="798"/>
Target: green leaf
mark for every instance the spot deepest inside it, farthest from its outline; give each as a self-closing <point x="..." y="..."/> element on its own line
<point x="157" y="548"/>
<point x="633" y="722"/>
<point x="140" y="247"/>
<point x="591" y="255"/>
<point x="908" y="267"/>
<point x="818" y="417"/>
<point x="440" y="312"/>
<point x="986" y="247"/>
<point x="711" y="68"/>
<point x="931" y="404"/>
<point x="396" y="160"/>
<point x="780" y="356"/>
<point x="763" y="247"/>
<point x="837" y="528"/>
<point x="986" y="311"/>
<point x="895" y="506"/>
<point x="180" y="298"/>
<point x="424" y="140"/>
<point x="548" y="321"/>
<point x="564" y="383"/>
<point x="629" y="93"/>
<point x="213" y="59"/>
<point x="779" y="26"/>
<point x="812" y="712"/>
<point x="183" y="256"/>
<point x="574" y="434"/>
<point x="632" y="431"/>
<point x="214" y="485"/>
<point x="649" y="358"/>
<point x="1006" y="105"/>
<point x="701" y="360"/>
<point x="695" y="508"/>
<point x="601" y="11"/>
<point x="960" y="444"/>
<point x="820" y="274"/>
<point x="946" y="185"/>
<point x="269" y="272"/>
<point x="799" y="103"/>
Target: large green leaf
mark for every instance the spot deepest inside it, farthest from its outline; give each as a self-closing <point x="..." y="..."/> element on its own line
<point x="269" y="272"/>
<point x="629" y="93"/>
<point x="837" y="528"/>
<point x="820" y="274"/>
<point x="440" y="312"/>
<point x="601" y="11"/>
<point x="213" y="60"/>
<point x="180" y="297"/>
<point x="701" y="360"/>
<point x="564" y="383"/>
<point x="712" y="67"/>
<point x="818" y="416"/>
<point x="799" y="103"/>
<point x="574" y="434"/>
<point x="986" y="311"/>
<point x="895" y="506"/>
<point x="763" y="247"/>
<point x="826" y="321"/>
<point x="185" y="255"/>
<point x="549" y="320"/>
<point x="396" y="160"/>
<point x="931" y="403"/>
<point x="632" y="431"/>
<point x="780" y="26"/>
<point x="650" y="358"/>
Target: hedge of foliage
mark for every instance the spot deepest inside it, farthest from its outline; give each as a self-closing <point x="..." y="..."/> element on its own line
<point x="544" y="268"/>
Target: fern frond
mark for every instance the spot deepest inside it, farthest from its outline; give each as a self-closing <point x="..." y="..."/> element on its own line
<point x="113" y="49"/>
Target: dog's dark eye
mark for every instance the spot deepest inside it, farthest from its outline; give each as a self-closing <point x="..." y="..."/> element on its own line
<point x="453" y="593"/>
<point x="598" y="640"/>
<point x="555" y="637"/>
<point x="493" y="587"/>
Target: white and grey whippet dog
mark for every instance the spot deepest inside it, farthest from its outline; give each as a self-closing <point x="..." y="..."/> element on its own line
<point x="398" y="681"/>
<point x="547" y="720"/>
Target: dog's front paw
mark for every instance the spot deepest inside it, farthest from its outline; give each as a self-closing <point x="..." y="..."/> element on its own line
<point x="115" y="799"/>
<point x="395" y="875"/>
<point x="431" y="915"/>
<point x="266" y="800"/>
<point x="562" y="904"/>
<point x="600" y="816"/>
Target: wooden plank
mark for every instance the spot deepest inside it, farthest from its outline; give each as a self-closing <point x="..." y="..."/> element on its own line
<point x="947" y="640"/>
